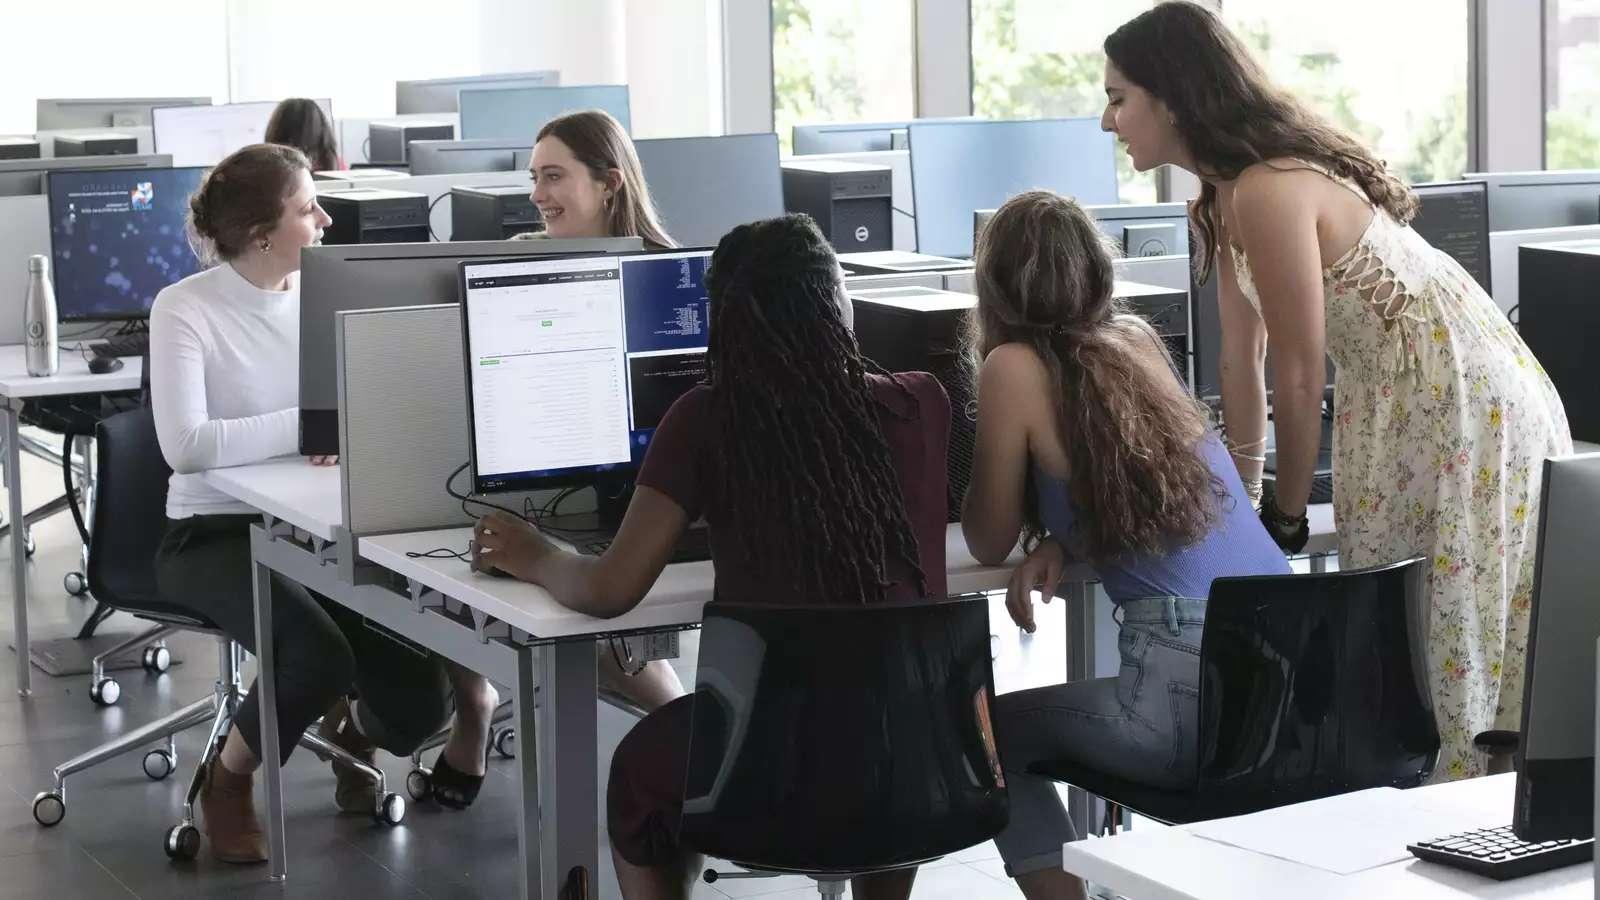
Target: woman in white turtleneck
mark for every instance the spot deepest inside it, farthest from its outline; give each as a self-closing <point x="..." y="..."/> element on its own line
<point x="224" y="364"/>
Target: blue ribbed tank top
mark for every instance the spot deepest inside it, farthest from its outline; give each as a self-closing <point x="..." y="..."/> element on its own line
<point x="1237" y="544"/>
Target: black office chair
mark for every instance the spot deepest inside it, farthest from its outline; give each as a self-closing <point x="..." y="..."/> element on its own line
<point x="129" y="520"/>
<point x="1310" y="686"/>
<point x="841" y="741"/>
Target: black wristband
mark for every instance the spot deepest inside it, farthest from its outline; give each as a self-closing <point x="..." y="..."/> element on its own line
<point x="1291" y="533"/>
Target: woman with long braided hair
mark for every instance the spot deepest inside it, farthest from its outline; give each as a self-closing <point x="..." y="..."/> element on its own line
<point x="822" y="480"/>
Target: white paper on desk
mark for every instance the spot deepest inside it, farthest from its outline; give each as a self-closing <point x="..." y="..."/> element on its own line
<point x="1349" y="833"/>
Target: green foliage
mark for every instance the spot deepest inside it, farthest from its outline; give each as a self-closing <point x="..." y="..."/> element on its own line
<point x="1572" y="139"/>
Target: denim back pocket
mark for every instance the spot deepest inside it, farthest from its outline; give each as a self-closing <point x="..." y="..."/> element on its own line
<point x="1132" y="645"/>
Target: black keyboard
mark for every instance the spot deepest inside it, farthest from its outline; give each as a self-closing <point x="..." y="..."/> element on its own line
<point x="1499" y="854"/>
<point x="694" y="546"/>
<point x="124" y="345"/>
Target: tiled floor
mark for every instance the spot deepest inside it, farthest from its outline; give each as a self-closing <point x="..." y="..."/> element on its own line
<point x="110" y="842"/>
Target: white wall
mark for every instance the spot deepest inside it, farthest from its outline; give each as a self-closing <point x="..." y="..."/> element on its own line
<point x="100" y="48"/>
<point x="674" y="66"/>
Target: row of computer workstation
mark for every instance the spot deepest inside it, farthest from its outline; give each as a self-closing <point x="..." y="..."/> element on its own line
<point x="408" y="371"/>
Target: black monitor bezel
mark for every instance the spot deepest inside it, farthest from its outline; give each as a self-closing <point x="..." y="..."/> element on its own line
<point x="570" y="477"/>
<point x="50" y="212"/>
<point x="1481" y="190"/>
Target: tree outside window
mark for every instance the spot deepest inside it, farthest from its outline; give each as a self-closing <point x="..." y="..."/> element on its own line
<point x="1572" y="84"/>
<point x="841" y="61"/>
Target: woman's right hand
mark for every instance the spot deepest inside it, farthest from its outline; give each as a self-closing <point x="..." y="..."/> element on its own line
<point x="1040" y="571"/>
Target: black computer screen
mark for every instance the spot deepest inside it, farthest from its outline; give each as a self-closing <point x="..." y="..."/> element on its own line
<point x="117" y="237"/>
<point x="1454" y="217"/>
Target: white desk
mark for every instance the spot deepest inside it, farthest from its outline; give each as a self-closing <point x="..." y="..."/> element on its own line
<point x="1176" y="864"/>
<point x="16" y="385"/>
<point x="519" y="636"/>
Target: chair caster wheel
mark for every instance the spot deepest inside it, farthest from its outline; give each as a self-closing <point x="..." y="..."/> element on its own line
<point x="49" y="808"/>
<point x="419" y="784"/>
<point x="105" y="692"/>
<point x="156" y="659"/>
<point x="74" y="583"/>
<point x="158" y="764"/>
<point x="505" y="742"/>
<point x="182" y="842"/>
<point x="391" y="810"/>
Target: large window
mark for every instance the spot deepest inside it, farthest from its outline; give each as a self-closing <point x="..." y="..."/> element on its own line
<point x="1572" y="84"/>
<point x="1036" y="59"/>
<point x="1394" y="74"/>
<point x="841" y="61"/>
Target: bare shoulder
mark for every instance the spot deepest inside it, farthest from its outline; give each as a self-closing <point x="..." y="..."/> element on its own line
<point x="1013" y="367"/>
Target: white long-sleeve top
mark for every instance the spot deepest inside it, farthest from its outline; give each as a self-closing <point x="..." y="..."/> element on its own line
<point x="224" y="381"/>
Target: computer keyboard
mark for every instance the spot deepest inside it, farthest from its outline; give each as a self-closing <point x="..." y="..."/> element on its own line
<point x="1499" y="854"/>
<point x="135" y="344"/>
<point x="694" y="546"/>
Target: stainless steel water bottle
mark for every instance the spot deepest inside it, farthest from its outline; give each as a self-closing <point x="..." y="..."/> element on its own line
<point x="39" y="318"/>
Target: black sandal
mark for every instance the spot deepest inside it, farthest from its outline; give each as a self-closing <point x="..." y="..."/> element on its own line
<point x="453" y="788"/>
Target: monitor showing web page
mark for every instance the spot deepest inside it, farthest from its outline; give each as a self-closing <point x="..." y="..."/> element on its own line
<point x="572" y="361"/>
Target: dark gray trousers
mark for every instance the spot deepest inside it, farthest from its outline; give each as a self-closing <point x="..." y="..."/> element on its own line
<point x="322" y="650"/>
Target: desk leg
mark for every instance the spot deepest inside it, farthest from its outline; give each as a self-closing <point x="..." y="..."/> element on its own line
<point x="19" y="546"/>
<point x="1079" y="597"/>
<point x="566" y="719"/>
<point x="267" y="698"/>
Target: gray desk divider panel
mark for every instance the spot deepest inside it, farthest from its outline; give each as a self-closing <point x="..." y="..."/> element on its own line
<point x="402" y="417"/>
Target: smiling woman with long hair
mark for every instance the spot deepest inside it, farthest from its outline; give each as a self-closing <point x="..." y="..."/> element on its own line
<point x="1442" y="415"/>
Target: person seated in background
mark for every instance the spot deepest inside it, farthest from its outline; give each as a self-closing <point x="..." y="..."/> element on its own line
<point x="223" y="387"/>
<point x="821" y="478"/>
<point x="1090" y="447"/>
<point x="587" y="184"/>
<point x="301" y="123"/>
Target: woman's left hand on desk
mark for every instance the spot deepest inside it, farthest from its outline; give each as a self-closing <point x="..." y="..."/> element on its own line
<point x="505" y="542"/>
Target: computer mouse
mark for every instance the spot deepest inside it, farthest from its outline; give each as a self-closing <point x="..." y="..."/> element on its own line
<point x="104" y="365"/>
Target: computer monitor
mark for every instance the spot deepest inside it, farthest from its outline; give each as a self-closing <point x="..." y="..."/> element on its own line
<point x="959" y="167"/>
<point x="572" y="362"/>
<point x="1521" y="200"/>
<point x="377" y="276"/>
<point x="204" y="135"/>
<point x="1154" y="229"/>
<point x="704" y="186"/>
<point x="103" y="112"/>
<point x="460" y="157"/>
<point x="1555" y="764"/>
<point x="1454" y="217"/>
<point x="438" y="95"/>
<point x="856" y="137"/>
<point x="519" y="113"/>
<point x="25" y="177"/>
<point x="117" y="237"/>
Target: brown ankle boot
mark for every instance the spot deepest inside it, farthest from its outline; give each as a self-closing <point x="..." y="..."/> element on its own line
<point x="353" y="791"/>
<point x="228" y="812"/>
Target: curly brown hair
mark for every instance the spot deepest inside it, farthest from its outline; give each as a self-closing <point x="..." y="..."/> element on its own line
<point x="1131" y="432"/>
<point x="1230" y="116"/>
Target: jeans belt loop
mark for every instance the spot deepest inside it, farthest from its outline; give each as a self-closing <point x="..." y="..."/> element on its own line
<point x="1172" y="616"/>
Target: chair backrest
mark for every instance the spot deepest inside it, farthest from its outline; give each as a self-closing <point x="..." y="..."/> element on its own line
<point x="130" y="513"/>
<point x="840" y="739"/>
<point x="1314" y="685"/>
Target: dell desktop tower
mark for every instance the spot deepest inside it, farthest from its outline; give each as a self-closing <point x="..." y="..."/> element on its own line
<point x="851" y="202"/>
<point x="375" y="216"/>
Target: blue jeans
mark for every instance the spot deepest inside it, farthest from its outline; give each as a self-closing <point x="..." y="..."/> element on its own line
<point x="1139" y="726"/>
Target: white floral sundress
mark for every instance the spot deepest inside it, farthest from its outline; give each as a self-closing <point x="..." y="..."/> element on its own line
<point x="1443" y="421"/>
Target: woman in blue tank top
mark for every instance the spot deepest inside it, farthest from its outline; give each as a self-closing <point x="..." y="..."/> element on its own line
<point x="1090" y="447"/>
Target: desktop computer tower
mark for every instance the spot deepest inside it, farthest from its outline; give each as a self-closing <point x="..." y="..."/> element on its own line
<point x="1558" y="317"/>
<point x="104" y="143"/>
<point x="19" y="148"/>
<point x="387" y="141"/>
<point x="375" y="216"/>
<point x="920" y="329"/>
<point x="492" y="212"/>
<point x="851" y="202"/>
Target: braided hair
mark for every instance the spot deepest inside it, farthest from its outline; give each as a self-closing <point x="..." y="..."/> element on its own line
<point x="799" y="449"/>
